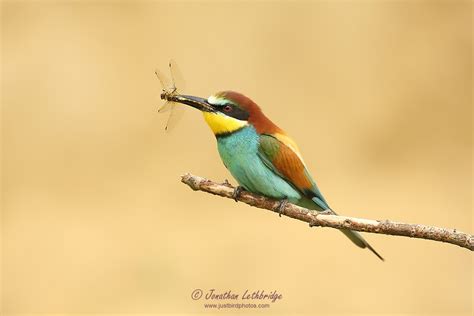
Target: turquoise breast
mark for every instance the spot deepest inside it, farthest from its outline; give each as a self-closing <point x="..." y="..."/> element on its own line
<point x="239" y="152"/>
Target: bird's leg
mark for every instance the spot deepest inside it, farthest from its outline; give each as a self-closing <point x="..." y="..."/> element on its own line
<point x="237" y="192"/>
<point x="281" y="206"/>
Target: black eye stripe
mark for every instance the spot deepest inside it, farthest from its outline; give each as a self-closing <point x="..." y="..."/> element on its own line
<point x="234" y="111"/>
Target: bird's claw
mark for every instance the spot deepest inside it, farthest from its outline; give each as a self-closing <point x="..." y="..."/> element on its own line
<point x="326" y="212"/>
<point x="237" y="192"/>
<point x="281" y="206"/>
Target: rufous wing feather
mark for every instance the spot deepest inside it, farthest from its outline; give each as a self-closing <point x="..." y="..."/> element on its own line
<point x="281" y="155"/>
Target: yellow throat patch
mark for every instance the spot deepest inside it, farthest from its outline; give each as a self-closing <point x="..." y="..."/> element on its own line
<point x="221" y="124"/>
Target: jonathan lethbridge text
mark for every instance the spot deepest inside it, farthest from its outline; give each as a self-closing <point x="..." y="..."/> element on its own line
<point x="247" y="295"/>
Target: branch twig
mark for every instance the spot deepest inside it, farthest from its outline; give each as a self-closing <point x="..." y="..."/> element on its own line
<point x="387" y="227"/>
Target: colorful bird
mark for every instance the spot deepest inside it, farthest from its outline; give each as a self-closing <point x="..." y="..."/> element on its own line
<point x="260" y="155"/>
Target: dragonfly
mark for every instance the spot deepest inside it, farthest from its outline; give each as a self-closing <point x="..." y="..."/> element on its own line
<point x="170" y="93"/>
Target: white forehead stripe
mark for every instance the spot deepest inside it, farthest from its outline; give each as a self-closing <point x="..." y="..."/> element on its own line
<point x="216" y="101"/>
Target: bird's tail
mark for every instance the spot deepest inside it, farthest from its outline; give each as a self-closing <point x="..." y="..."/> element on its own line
<point x="354" y="236"/>
<point x="357" y="239"/>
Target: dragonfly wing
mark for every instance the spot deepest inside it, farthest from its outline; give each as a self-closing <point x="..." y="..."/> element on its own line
<point x="168" y="106"/>
<point x="175" y="116"/>
<point x="164" y="81"/>
<point x="176" y="76"/>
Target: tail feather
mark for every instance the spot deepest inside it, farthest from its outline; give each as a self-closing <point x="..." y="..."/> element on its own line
<point x="357" y="239"/>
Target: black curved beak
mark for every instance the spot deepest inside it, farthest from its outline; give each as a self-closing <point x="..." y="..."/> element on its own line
<point x="196" y="102"/>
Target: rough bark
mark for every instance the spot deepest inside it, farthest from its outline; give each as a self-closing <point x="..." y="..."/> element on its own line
<point x="314" y="218"/>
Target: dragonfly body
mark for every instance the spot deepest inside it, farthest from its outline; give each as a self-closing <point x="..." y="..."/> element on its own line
<point x="169" y="91"/>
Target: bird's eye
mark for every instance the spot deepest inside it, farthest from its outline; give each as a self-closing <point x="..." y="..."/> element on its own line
<point x="227" y="108"/>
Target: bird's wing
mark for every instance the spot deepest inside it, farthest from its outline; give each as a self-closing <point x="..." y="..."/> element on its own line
<point x="280" y="153"/>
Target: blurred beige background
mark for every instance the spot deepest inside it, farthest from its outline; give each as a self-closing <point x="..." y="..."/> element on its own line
<point x="95" y="219"/>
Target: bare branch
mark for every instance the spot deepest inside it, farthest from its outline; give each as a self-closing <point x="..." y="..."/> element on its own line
<point x="386" y="227"/>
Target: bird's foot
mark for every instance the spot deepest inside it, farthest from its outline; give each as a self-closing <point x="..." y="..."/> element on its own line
<point x="237" y="192"/>
<point x="326" y="212"/>
<point x="281" y="206"/>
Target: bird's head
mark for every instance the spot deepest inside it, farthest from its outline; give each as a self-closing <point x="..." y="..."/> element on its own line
<point x="229" y="111"/>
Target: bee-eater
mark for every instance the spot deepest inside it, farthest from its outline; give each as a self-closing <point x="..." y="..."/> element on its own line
<point x="260" y="155"/>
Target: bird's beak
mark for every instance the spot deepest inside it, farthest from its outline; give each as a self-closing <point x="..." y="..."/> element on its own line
<point x="196" y="102"/>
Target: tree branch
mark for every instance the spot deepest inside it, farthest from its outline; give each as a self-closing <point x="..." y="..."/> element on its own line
<point x="386" y="227"/>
